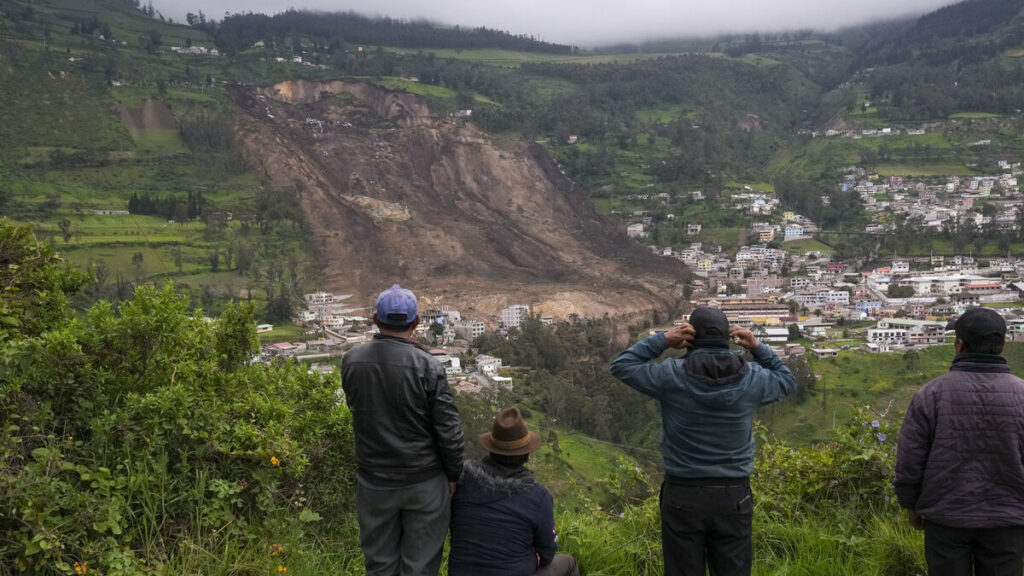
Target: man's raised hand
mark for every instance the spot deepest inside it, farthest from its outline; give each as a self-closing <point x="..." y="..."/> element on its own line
<point x="681" y="336"/>
<point x="743" y="337"/>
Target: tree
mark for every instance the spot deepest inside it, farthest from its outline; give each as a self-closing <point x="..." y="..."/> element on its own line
<point x="235" y="336"/>
<point x="794" y="332"/>
<point x="65" y="229"/>
<point x="911" y="358"/>
<point x="899" y="291"/>
<point x="215" y="260"/>
<point x="436" y="328"/>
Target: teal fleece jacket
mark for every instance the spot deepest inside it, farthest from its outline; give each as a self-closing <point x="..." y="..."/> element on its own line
<point x="708" y="400"/>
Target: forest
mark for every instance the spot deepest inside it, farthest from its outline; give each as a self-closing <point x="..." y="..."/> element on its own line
<point x="236" y="32"/>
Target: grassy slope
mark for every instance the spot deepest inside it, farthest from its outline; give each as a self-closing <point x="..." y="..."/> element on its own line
<point x="856" y="379"/>
<point x="56" y="106"/>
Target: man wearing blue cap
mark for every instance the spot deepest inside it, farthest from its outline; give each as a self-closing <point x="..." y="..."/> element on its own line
<point x="408" y="443"/>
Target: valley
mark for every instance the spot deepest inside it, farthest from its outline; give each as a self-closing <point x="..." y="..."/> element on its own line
<point x="168" y="187"/>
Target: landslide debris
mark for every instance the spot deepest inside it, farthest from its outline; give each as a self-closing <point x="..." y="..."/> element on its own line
<point x="394" y="194"/>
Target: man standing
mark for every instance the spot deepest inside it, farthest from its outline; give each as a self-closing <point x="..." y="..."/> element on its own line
<point x="708" y="400"/>
<point x="960" y="457"/>
<point x="408" y="443"/>
<point x="503" y="521"/>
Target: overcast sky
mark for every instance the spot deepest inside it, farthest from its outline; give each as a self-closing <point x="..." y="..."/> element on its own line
<point x="594" y="22"/>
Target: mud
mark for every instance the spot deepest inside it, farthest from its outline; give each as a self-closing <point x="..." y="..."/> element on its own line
<point x="393" y="194"/>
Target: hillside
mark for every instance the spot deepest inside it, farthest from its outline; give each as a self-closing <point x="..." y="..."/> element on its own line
<point x="392" y="191"/>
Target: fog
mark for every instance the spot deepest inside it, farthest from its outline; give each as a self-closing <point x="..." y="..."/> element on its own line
<point x="594" y="22"/>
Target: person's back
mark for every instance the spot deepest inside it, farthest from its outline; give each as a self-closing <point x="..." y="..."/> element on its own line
<point x="960" y="457"/>
<point x="496" y="515"/>
<point x="976" y="421"/>
<point x="502" y="517"/>
<point x="391" y="385"/>
<point x="708" y="400"/>
<point x="408" y="441"/>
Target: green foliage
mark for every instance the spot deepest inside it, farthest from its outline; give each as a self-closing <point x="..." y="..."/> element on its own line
<point x="34" y="283"/>
<point x="898" y="291"/>
<point x="823" y="509"/>
<point x="137" y="439"/>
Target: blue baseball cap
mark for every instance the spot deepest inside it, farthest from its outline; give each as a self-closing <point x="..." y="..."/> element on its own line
<point x="396" y="306"/>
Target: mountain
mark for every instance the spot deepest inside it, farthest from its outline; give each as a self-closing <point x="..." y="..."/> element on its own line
<point x="202" y="131"/>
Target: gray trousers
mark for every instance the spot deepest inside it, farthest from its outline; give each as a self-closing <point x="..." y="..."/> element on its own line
<point x="402" y="530"/>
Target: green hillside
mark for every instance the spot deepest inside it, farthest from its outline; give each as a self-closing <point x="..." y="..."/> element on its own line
<point x="855" y="380"/>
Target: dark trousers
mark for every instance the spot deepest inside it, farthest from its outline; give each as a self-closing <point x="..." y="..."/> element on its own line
<point x="706" y="525"/>
<point x="561" y="565"/>
<point x="954" y="551"/>
<point x="402" y="530"/>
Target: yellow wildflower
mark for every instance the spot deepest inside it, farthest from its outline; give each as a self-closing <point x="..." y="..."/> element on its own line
<point x="275" y="461"/>
<point x="80" y="568"/>
<point x="281" y="568"/>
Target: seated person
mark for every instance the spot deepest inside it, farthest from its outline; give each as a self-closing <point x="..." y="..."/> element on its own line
<point x="503" y="521"/>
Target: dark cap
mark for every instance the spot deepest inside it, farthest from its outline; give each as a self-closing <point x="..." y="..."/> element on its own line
<point x="978" y="325"/>
<point x="711" y="326"/>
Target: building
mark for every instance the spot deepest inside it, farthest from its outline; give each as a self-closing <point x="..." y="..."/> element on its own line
<point x="488" y="364"/>
<point x="874" y="347"/>
<point x="513" y="316"/>
<point x="889" y="336"/>
<point x="469" y="329"/>
<point x="636" y="231"/>
<point x="820" y="298"/>
<point x="772" y="334"/>
<point x="319" y="298"/>
<point x="824" y="352"/>
<point x="749" y="310"/>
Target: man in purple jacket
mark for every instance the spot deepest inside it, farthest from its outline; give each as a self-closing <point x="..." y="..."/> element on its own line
<point x="960" y="457"/>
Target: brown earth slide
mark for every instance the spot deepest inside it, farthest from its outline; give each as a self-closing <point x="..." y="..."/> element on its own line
<point x="394" y="194"/>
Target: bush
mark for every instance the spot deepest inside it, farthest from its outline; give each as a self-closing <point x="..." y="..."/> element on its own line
<point x="138" y="439"/>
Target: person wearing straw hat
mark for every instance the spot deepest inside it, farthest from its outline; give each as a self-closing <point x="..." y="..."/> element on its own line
<point x="503" y="520"/>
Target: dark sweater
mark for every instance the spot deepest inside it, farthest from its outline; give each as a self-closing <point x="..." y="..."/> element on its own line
<point x="960" y="458"/>
<point x="502" y="522"/>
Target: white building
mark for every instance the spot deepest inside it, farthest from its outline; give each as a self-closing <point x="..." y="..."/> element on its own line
<point x="318" y="298"/>
<point x="889" y="336"/>
<point x="823" y="297"/>
<point x="635" y="231"/>
<point x="488" y="364"/>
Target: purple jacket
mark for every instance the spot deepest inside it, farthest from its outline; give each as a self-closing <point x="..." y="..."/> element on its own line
<point x="960" y="457"/>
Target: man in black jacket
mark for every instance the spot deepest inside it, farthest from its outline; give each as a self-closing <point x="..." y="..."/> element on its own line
<point x="408" y="443"/>
<point x="960" y="457"/>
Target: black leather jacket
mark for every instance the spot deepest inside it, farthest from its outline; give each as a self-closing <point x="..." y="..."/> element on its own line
<point x="406" y="426"/>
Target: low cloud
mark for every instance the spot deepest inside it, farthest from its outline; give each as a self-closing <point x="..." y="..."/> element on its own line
<point x="595" y="22"/>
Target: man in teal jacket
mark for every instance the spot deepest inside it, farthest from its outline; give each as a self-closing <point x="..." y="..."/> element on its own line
<point x="708" y="401"/>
